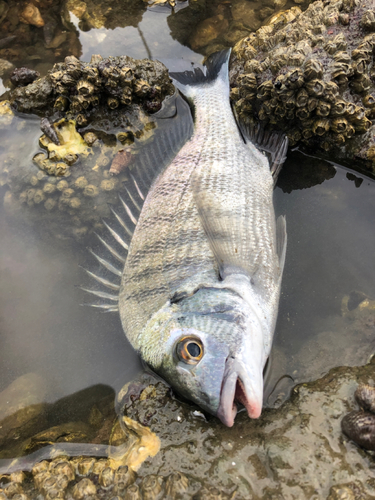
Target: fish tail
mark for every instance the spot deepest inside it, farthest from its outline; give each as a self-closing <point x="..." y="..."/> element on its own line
<point x="190" y="83"/>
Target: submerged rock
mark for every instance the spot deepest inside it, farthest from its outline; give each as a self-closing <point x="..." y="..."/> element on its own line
<point x="64" y="186"/>
<point x="310" y="75"/>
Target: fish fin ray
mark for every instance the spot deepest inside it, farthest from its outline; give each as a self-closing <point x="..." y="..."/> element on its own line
<point x="102" y="295"/>
<point x="128" y="211"/>
<point x="106" y="307"/>
<point x="111" y="250"/>
<point x="116" y="236"/>
<point x="273" y="144"/>
<point x="188" y="82"/>
<point x="281" y="241"/>
<point x="122" y="223"/>
<point x="103" y="281"/>
<point x="106" y="264"/>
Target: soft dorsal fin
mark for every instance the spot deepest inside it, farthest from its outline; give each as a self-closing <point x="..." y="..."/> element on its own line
<point x="274" y="144"/>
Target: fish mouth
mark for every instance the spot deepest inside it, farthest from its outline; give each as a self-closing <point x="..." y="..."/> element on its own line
<point x="233" y="392"/>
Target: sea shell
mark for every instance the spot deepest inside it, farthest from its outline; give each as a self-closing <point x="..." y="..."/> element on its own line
<point x="360" y="427"/>
<point x="121" y="160"/>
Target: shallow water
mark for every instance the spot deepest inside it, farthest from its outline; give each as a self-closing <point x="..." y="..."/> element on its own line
<point x="331" y="237"/>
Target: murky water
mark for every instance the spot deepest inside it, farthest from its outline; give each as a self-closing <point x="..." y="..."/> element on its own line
<point x="329" y="210"/>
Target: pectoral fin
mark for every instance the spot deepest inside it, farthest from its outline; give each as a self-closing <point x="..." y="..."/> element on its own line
<point x="224" y="200"/>
<point x="281" y="239"/>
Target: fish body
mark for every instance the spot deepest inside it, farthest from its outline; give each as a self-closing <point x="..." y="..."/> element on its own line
<point x="200" y="286"/>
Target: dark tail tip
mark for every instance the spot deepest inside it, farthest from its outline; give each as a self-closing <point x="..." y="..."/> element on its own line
<point x="213" y="65"/>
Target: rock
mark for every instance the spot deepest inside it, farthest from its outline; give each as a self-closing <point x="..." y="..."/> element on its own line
<point x="31" y="15"/>
<point x="4" y="8"/>
<point x="88" y="85"/>
<point x="23" y="76"/>
<point x="17" y="427"/>
<point x="242" y="13"/>
<point x="5" y="67"/>
<point x="207" y="31"/>
<point x="26" y="390"/>
<point x="309" y="75"/>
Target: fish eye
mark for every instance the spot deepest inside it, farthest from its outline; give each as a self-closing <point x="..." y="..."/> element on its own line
<point x="190" y="350"/>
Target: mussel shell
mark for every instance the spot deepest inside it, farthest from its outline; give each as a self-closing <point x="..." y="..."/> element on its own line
<point x="359" y="426"/>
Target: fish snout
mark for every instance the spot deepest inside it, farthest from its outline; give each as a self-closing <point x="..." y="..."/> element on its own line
<point x="240" y="387"/>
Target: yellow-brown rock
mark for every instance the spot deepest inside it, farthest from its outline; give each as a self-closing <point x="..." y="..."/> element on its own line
<point x="31" y="15"/>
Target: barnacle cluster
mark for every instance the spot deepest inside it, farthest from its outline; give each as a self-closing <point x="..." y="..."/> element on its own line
<point x="207" y="26"/>
<point x="311" y="75"/>
<point x="83" y="88"/>
<point x="88" y="477"/>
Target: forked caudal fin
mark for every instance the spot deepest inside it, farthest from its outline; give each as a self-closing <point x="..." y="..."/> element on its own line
<point x="190" y="82"/>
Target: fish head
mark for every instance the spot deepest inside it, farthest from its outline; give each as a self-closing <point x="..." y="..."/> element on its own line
<point x="215" y="358"/>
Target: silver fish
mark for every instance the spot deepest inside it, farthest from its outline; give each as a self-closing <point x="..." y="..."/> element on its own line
<point x="199" y="291"/>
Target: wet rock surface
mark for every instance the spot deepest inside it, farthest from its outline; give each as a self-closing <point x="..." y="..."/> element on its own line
<point x="310" y="74"/>
<point x="295" y="451"/>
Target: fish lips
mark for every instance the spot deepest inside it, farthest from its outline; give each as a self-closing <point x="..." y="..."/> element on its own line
<point x="239" y="386"/>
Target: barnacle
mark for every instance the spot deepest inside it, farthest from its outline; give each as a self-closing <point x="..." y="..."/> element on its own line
<point x="338" y="108"/>
<point x="126" y="76"/>
<point x="90" y="190"/>
<point x="61" y="103"/>
<point x="301" y="98"/>
<point x="369" y="101"/>
<point x="315" y="87"/>
<point x="126" y="96"/>
<point x="142" y="88"/>
<point x="85" y="488"/>
<point x="113" y="102"/>
<point x="323" y="108"/>
<point x="294" y="78"/>
<point x="152" y="486"/>
<point x="361" y="84"/>
<point x="321" y="127"/>
<point x="313" y="70"/>
<point x="339" y="125"/>
<point x="368" y="20"/>
<point x="108" y="184"/>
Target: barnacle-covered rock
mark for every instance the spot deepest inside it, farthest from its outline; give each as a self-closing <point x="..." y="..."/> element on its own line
<point x="70" y="185"/>
<point x="81" y="87"/>
<point x="321" y="92"/>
